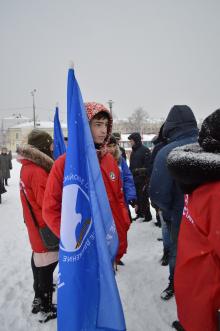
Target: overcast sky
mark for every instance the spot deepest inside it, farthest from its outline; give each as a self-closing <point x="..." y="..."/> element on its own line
<point x="139" y="53"/>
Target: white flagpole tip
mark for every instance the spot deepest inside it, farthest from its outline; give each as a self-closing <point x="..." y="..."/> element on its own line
<point x="71" y="65"/>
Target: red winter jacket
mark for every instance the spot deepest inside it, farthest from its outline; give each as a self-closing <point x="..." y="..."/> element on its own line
<point x="111" y="176"/>
<point x="33" y="178"/>
<point x="197" y="272"/>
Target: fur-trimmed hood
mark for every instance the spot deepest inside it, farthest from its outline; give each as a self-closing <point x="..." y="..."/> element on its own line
<point x="191" y="166"/>
<point x="27" y="152"/>
<point x="117" y="154"/>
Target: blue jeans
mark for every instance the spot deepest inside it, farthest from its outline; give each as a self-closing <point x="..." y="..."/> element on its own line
<point x="174" y="232"/>
<point x="165" y="233"/>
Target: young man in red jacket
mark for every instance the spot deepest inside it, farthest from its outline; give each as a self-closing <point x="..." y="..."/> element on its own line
<point x="100" y="121"/>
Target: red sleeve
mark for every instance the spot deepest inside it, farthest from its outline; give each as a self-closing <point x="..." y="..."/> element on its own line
<point x="38" y="184"/>
<point x="114" y="190"/>
<point x="34" y="179"/>
<point x="121" y="197"/>
<point x="213" y="214"/>
<point x="53" y="196"/>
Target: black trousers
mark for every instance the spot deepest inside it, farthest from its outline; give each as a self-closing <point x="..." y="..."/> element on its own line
<point x="43" y="278"/>
<point x="142" y="200"/>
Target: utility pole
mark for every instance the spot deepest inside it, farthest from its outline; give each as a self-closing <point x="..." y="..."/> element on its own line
<point x="2" y="133"/>
<point x="34" y="106"/>
<point x="110" y="103"/>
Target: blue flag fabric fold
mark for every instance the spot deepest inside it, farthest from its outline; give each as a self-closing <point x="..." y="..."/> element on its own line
<point x="88" y="298"/>
<point x="58" y="140"/>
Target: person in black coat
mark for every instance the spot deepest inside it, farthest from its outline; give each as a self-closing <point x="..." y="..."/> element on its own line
<point x="139" y="166"/>
<point x="5" y="166"/>
<point x="159" y="142"/>
<point x="180" y="128"/>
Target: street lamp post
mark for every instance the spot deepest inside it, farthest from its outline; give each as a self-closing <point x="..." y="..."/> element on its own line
<point x="110" y="103"/>
<point x="34" y="106"/>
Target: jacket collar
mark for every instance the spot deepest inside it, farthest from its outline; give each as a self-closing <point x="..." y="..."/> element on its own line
<point x="32" y="154"/>
<point x="191" y="166"/>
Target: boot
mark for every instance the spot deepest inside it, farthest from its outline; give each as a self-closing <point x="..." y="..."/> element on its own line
<point x="177" y="326"/>
<point x="36" y="305"/>
<point x="158" y="222"/>
<point x="120" y="262"/>
<point x="136" y="217"/>
<point x="54" y="287"/>
<point x="48" y="309"/>
<point x="147" y="216"/>
<point x="165" y="258"/>
<point x="168" y="293"/>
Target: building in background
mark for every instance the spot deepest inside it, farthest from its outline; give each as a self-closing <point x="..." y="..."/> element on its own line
<point x="17" y="134"/>
<point x="146" y="139"/>
<point x="7" y="122"/>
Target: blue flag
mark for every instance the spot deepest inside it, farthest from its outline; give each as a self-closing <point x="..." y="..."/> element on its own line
<point x="59" y="145"/>
<point x="88" y="298"/>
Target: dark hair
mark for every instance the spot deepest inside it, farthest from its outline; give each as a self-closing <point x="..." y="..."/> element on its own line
<point x="101" y="115"/>
<point x="112" y="140"/>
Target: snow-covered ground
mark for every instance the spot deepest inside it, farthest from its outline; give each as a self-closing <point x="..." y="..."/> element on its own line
<point x="140" y="281"/>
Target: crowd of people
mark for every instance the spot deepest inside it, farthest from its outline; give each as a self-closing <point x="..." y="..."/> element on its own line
<point x="184" y="186"/>
<point x="179" y="178"/>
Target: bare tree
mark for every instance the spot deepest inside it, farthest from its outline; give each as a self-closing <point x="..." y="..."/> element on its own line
<point x="138" y="120"/>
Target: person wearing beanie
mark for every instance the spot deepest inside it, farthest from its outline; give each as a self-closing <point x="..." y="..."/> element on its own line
<point x="42" y="141"/>
<point x="36" y="163"/>
<point x="117" y="136"/>
<point x="196" y="169"/>
<point x="140" y="166"/>
<point x="180" y="128"/>
<point x="100" y="121"/>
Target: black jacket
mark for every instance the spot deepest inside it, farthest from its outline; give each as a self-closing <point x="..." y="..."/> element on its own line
<point x="140" y="162"/>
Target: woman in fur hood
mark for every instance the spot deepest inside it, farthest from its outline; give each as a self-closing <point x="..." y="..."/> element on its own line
<point x="37" y="160"/>
<point x="196" y="168"/>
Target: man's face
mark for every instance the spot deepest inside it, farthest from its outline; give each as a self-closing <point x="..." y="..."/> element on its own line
<point x="132" y="142"/>
<point x="99" y="130"/>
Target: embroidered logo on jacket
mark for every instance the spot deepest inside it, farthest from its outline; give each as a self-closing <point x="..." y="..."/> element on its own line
<point x="112" y="175"/>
